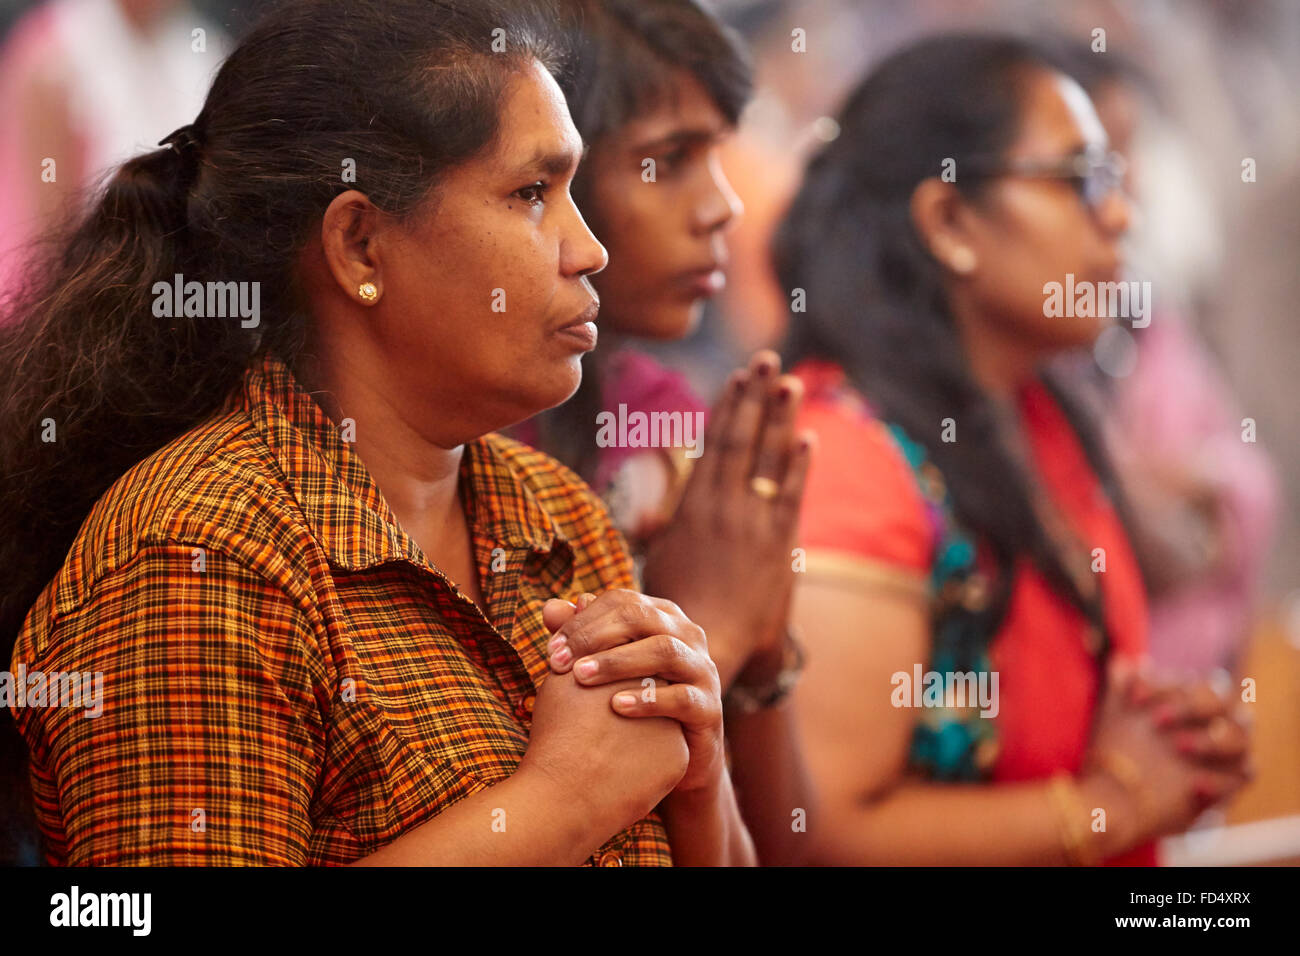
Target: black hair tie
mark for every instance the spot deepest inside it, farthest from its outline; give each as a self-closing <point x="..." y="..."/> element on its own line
<point x="183" y="140"/>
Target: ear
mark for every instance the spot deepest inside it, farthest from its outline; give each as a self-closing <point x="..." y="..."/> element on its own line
<point x="352" y="244"/>
<point x="942" y="219"/>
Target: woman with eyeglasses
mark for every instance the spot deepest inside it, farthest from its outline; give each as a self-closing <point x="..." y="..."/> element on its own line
<point x="974" y="612"/>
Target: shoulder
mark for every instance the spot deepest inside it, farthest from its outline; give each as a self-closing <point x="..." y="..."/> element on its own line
<point x="862" y="498"/>
<point x="213" y="490"/>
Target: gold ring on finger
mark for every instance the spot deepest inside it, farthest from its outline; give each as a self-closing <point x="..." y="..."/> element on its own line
<point x="764" y="487"/>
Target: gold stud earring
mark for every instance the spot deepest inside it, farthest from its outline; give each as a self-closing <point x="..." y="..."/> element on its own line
<point x="962" y="260"/>
<point x="368" y="291"/>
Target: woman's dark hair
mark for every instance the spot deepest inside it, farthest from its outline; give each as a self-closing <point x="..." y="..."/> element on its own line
<point x="1093" y="70"/>
<point x="398" y="90"/>
<point x="625" y="55"/>
<point x="624" y="60"/>
<point x="875" y="297"/>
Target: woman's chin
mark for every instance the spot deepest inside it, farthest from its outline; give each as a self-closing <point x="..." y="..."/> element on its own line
<point x="660" y="321"/>
<point x="559" y="386"/>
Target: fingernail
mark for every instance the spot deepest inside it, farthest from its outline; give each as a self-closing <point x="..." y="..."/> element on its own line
<point x="624" y="699"/>
<point x="1185" y="744"/>
<point x="557" y="642"/>
<point x="1163" y="716"/>
<point x="585" y="667"/>
<point x="562" y="657"/>
<point x="764" y="369"/>
<point x="783" y="393"/>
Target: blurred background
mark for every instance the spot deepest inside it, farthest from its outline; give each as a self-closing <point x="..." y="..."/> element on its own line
<point x="1207" y="108"/>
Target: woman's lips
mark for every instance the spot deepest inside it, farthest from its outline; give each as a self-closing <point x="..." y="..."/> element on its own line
<point x="582" y="335"/>
<point x="581" y="332"/>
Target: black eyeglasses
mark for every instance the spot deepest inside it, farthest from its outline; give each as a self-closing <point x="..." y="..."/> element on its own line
<point x="1094" y="173"/>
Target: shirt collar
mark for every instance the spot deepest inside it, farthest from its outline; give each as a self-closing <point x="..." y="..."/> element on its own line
<point x="345" y="509"/>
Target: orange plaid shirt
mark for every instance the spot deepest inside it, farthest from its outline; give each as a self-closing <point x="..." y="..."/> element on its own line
<point x="287" y="680"/>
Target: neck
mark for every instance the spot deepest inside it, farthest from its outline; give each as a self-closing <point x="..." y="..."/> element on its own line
<point x="1000" y="359"/>
<point x="419" y="477"/>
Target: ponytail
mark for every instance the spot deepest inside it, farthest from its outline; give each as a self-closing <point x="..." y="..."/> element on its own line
<point x="92" y="381"/>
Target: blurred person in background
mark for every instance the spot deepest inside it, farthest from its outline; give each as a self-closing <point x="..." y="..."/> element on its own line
<point x="961" y="517"/>
<point x="85" y="85"/>
<point x="1204" y="498"/>
<point x="656" y="88"/>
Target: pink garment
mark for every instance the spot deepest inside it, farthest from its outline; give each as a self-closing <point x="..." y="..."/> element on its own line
<point x="638" y="504"/>
<point x="641" y="383"/>
<point x="1177" y="408"/>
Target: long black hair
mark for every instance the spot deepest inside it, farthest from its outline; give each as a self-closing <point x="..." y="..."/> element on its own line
<point x="875" y="296"/>
<point x="622" y="60"/>
<point x="398" y="90"/>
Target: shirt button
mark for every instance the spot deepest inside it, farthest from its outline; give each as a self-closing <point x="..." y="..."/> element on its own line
<point x="611" y="858"/>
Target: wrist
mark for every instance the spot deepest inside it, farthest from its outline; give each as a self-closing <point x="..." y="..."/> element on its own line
<point x="584" y="823"/>
<point x="728" y="654"/>
<point x="768" y="679"/>
<point x="704" y="779"/>
<point x="1125" y="827"/>
<point x="762" y="666"/>
<point x="691" y="802"/>
<point x="705" y="827"/>
<point x="690" y="814"/>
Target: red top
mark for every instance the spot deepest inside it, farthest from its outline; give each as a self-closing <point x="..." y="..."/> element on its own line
<point x="862" y="500"/>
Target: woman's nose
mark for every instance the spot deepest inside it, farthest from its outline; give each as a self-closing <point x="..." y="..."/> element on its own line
<point x="582" y="253"/>
<point x="1115" y="214"/>
<point x="720" y="205"/>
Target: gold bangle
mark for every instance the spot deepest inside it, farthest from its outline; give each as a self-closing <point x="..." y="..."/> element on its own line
<point x="1073" y="818"/>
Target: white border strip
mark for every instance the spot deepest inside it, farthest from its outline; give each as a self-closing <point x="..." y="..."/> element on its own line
<point x="1261" y="842"/>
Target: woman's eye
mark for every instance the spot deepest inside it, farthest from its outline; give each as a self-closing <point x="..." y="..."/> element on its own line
<point x="533" y="194"/>
<point x="670" y="160"/>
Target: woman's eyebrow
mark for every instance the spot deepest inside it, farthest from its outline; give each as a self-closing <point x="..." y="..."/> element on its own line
<point x="552" y="162"/>
<point x="681" y="137"/>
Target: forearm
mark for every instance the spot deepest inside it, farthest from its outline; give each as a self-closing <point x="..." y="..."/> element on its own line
<point x="922" y="824"/>
<point x="525" y="820"/>
<point x="771" y="784"/>
<point x="705" y="827"/>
